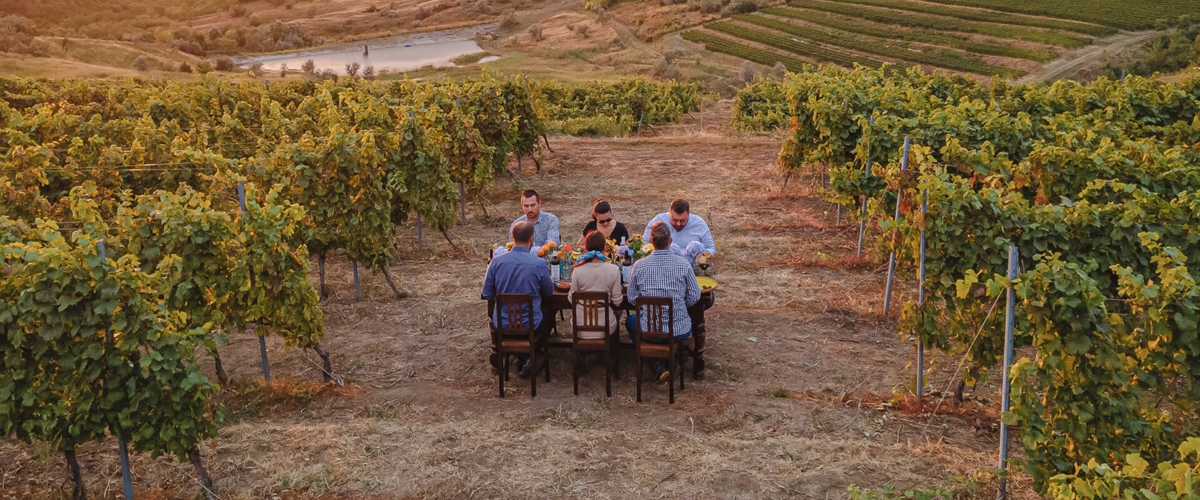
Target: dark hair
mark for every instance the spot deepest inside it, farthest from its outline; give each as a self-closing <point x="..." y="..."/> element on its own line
<point x="522" y="232"/>
<point x="680" y="206"/>
<point x="529" y="193"/>
<point x="601" y="207"/>
<point x="594" y="241"/>
<point x="660" y="235"/>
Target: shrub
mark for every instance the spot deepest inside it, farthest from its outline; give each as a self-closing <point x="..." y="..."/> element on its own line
<point x="283" y="70"/>
<point x="309" y="68"/>
<point x="352" y="70"/>
<point x="535" y="32"/>
<point x="666" y="70"/>
<point x="141" y="64"/>
<point x="14" y="23"/>
<point x="368" y="73"/>
<point x="509" y="22"/>
<point x="748" y="71"/>
<point x="238" y="10"/>
<point x="582" y="29"/>
<point x="224" y="64"/>
<point x="745" y="7"/>
<point x="256" y="69"/>
<point x="204" y="67"/>
<point x="255" y="20"/>
<point x="185" y="68"/>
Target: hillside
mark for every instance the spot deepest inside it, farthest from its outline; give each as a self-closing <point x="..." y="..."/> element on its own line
<point x="703" y="40"/>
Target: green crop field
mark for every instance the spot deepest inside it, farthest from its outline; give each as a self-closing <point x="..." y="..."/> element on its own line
<point x="724" y="45"/>
<point x="943" y="23"/>
<point x="923" y="36"/>
<point x="1123" y="14"/>
<point x="793" y="45"/>
<point x="989" y="16"/>
<point x="941" y="58"/>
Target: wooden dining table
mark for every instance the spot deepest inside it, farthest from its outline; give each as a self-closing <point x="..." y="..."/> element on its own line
<point x="559" y="302"/>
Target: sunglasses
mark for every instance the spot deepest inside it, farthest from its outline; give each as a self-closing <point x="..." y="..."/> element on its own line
<point x="604" y="221"/>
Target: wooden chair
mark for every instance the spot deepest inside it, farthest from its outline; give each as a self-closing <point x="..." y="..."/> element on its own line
<point x="594" y="318"/>
<point x="654" y="310"/>
<point x="519" y="337"/>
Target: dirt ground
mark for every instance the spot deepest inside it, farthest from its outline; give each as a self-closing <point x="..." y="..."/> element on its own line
<point x="801" y="365"/>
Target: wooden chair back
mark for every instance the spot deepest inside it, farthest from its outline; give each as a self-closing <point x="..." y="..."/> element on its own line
<point x="591" y="314"/>
<point x="518" y="309"/>
<point x="658" y="314"/>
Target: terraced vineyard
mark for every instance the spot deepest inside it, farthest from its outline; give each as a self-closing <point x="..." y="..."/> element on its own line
<point x="989" y="16"/>
<point x="954" y="41"/>
<point x="943" y="23"/>
<point x="955" y="35"/>
<point x="942" y="58"/>
<point x="1123" y="14"/>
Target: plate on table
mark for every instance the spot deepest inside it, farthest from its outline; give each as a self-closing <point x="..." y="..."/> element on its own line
<point x="706" y="283"/>
<point x="563" y="285"/>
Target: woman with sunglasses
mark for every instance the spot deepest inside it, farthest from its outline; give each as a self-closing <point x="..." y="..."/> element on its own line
<point x="603" y="221"/>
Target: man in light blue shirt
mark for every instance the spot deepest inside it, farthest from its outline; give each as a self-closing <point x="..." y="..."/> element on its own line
<point x="685" y="227"/>
<point x="545" y="224"/>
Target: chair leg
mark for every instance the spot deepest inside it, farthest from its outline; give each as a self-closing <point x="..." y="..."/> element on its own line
<point x="639" y="378"/>
<point x="671" y="386"/>
<point x="533" y="364"/>
<point x="608" y="372"/>
<point x="681" y="364"/>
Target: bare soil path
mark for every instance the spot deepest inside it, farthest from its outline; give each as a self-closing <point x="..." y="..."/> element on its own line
<point x="1075" y="60"/>
<point x="799" y="364"/>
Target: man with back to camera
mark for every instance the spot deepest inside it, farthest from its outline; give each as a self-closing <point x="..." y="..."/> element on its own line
<point x="545" y="224"/>
<point x="520" y="272"/>
<point x="685" y="227"/>
<point x="663" y="274"/>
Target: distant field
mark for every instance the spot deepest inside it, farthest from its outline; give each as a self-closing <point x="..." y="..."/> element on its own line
<point x="951" y="40"/>
<point x="989" y="16"/>
<point x="938" y="57"/>
<point x="1123" y="14"/>
<point x="943" y="23"/>
<point x="955" y="35"/>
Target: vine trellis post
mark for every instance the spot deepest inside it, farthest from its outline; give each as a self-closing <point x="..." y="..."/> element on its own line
<point x="122" y="448"/>
<point x="262" y="340"/>
<point x="887" y="294"/>
<point x="1009" y="320"/>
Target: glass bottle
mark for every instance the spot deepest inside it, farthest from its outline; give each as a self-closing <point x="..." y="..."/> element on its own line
<point x="554" y="267"/>
<point x="566" y="267"/>
<point x="626" y="266"/>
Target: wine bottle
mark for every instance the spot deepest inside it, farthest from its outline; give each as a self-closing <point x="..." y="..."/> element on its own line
<point x="554" y="268"/>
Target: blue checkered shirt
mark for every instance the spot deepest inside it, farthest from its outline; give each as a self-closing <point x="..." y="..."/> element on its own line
<point x="545" y="229"/>
<point x="664" y="274"/>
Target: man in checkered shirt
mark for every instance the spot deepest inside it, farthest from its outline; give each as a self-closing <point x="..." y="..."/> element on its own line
<point x="664" y="274"/>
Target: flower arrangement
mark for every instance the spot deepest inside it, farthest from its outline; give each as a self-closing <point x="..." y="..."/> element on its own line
<point x="638" y="247"/>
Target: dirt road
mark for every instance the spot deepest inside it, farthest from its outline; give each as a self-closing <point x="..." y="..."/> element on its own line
<point x="1075" y="60"/>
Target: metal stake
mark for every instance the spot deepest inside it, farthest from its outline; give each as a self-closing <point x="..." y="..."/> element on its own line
<point x="122" y="450"/>
<point x="862" y="222"/>
<point x="354" y="267"/>
<point x="1009" y="321"/>
<point x="887" y="298"/>
<point x="921" y="301"/>
<point x="420" y="232"/>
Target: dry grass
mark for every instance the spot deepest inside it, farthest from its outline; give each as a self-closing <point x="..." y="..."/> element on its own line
<point x="420" y="417"/>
